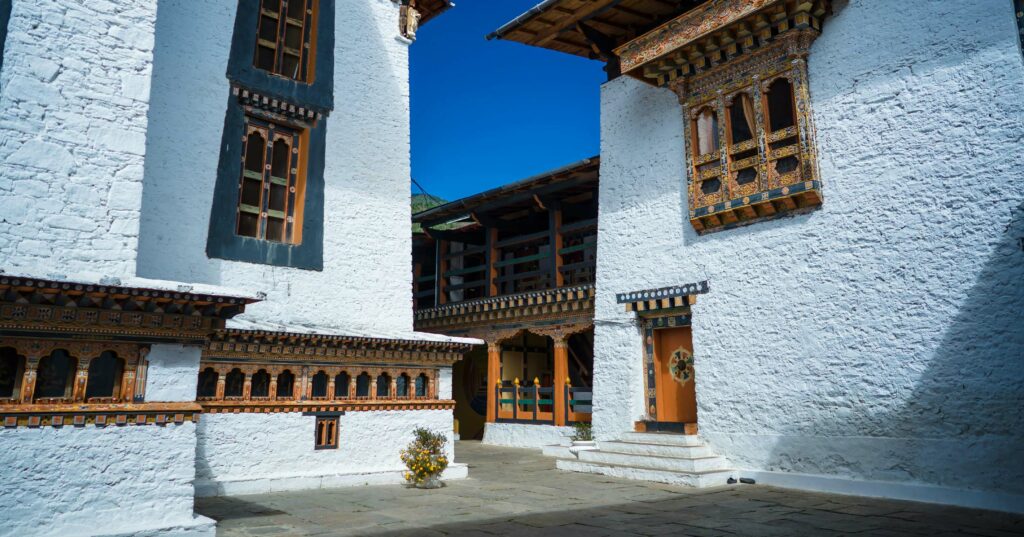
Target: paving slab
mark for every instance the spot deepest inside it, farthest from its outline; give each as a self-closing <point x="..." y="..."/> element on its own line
<point x="519" y="492"/>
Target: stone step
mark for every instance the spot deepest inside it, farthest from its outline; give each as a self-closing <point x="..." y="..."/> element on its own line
<point x="702" y="464"/>
<point x="690" y="440"/>
<point x="557" y="451"/>
<point x="686" y="479"/>
<point x="657" y="450"/>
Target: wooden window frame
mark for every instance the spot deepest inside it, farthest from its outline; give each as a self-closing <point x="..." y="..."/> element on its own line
<point x="307" y="51"/>
<point x="325" y="432"/>
<point x="296" y="140"/>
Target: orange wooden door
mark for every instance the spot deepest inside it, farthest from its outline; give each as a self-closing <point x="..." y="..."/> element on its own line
<point x="674" y="383"/>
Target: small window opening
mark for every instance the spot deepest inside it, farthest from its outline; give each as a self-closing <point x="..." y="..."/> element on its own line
<point x="711" y="186"/>
<point x="55" y="376"/>
<point x="341" y="385"/>
<point x="421" y="385"/>
<point x="234" y="383"/>
<point x="402" y="385"/>
<point x="746" y="176"/>
<point x="326" y="433"/>
<point x="319" y="390"/>
<point x="104" y="376"/>
<point x="707" y="132"/>
<point x="285" y="384"/>
<point x="12" y="369"/>
<point x="741" y="118"/>
<point x="383" y="386"/>
<point x="363" y="385"/>
<point x="207" y="383"/>
<point x="780" y="105"/>
<point x="260" y="384"/>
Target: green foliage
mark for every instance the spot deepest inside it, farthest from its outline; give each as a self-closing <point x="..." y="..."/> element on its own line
<point x="582" y="432"/>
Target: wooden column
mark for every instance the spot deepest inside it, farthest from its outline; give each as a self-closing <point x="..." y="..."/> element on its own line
<point x="80" y="379"/>
<point x="352" y="386"/>
<point x="273" y="384"/>
<point x="394" y="388"/>
<point x="247" y="384"/>
<point x="442" y="267"/>
<point x="28" y="378"/>
<point x="493" y="377"/>
<point x="127" y="387"/>
<point x="221" y="380"/>
<point x="561" y="375"/>
<point x="373" y="384"/>
<point x="492" y="257"/>
<point x="304" y="388"/>
<point x="555" y="227"/>
<point x="330" y="386"/>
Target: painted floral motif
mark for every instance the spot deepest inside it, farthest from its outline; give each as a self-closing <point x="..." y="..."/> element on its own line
<point x="681" y="365"/>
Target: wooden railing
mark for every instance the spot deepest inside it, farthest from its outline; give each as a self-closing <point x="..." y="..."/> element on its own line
<point x="579" y="404"/>
<point x="525" y="404"/>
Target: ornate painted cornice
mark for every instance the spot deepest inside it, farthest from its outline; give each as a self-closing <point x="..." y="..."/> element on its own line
<point x="32" y="306"/>
<point x="264" y="346"/>
<point x="551" y="306"/>
<point x="677" y="296"/>
<point x="250" y="407"/>
<point x="99" y="415"/>
<point x="716" y="31"/>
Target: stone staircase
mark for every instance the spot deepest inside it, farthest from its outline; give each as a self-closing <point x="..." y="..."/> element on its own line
<point x="663" y="458"/>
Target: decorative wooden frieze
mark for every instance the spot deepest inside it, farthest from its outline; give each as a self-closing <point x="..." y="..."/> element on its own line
<point x="277" y="407"/>
<point x="262" y="346"/>
<point x="665" y="298"/>
<point x="99" y="415"/>
<point x="253" y="100"/>
<point x="47" y="306"/>
<point x="567" y="304"/>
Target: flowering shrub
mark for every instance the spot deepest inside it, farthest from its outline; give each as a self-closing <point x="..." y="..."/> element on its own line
<point x="424" y="457"/>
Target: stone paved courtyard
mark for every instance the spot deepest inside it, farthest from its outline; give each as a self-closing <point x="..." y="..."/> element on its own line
<point x="518" y="492"/>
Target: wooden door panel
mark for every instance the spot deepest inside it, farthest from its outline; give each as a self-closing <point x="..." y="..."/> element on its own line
<point x="675" y="384"/>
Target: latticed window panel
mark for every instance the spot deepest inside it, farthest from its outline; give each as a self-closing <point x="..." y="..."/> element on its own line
<point x="269" y="184"/>
<point x="326" y="433"/>
<point x="283" y="38"/>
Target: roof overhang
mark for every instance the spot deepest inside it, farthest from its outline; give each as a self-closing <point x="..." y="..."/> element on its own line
<point x="432" y="8"/>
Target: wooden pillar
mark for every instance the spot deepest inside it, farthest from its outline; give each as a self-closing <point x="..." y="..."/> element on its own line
<point x="273" y="384"/>
<point x="442" y="267"/>
<point x="492" y="257"/>
<point x="555" y="227"/>
<point x="352" y="385"/>
<point x="493" y="377"/>
<point x="431" y="385"/>
<point x="373" y="384"/>
<point x="221" y="380"/>
<point x="79" y="381"/>
<point x="128" y="377"/>
<point x="246" y="384"/>
<point x="304" y="388"/>
<point x="330" y="386"/>
<point x="561" y="376"/>
<point x="394" y="388"/>
<point x="28" y="378"/>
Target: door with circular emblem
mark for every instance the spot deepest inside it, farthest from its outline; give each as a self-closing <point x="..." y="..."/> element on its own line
<point x="675" y="388"/>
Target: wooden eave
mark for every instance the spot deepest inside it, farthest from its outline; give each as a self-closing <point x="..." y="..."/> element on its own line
<point x="514" y="196"/>
<point x="66" y="308"/>
<point x="429" y="9"/>
<point x="715" y="32"/>
<point x="555" y="24"/>
<point x="324" y="341"/>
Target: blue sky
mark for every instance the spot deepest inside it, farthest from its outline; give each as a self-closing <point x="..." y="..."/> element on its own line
<point x="486" y="113"/>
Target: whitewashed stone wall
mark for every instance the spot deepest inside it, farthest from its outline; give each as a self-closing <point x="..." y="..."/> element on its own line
<point x="99" y="481"/>
<point x="75" y="93"/>
<point x="250" y="453"/>
<point x="173" y="373"/>
<point x="878" y="338"/>
<point x="524" y="435"/>
<point x="365" y="287"/>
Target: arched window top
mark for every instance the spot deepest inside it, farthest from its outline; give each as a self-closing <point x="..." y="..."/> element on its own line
<point x="55" y="375"/>
<point x="421" y="385"/>
<point x="12" y="368"/>
<point x="234" y="383"/>
<point x="384" y="385"/>
<point x="742" y="119"/>
<point x="207" y="386"/>
<point x="319" y="387"/>
<point x="363" y="385"/>
<point x="341" y="385"/>
<point x="105" y="373"/>
<point x="285" y="383"/>
<point x="402" y="383"/>
<point x="259" y="386"/>
<point x="780" y="104"/>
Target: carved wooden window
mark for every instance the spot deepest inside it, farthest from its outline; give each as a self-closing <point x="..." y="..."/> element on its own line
<point x="259" y="387"/>
<point x="319" y="388"/>
<point x="383" y="386"/>
<point x="207" y="386"/>
<point x="341" y="385"/>
<point x="363" y="385"/>
<point x="12" y="369"/>
<point x="285" y="39"/>
<point x="740" y="71"/>
<point x="285" y="384"/>
<point x="105" y="372"/>
<point x="421" y="385"/>
<point x="270" y="187"/>
<point x="234" y="383"/>
<point x="402" y="385"/>
<point x="326" y="432"/>
<point x="55" y="376"/>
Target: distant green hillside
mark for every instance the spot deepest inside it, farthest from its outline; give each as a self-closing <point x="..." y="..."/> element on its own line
<point x="422" y="202"/>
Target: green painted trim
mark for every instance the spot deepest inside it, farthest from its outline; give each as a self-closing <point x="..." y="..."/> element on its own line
<point x="524" y="259"/>
<point x="578" y="248"/>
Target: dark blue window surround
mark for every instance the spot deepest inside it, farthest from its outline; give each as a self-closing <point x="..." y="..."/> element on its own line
<point x="317" y="98"/>
<point x="5" y="17"/>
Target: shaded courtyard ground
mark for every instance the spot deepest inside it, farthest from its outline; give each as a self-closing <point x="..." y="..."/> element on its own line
<point x="519" y="492"/>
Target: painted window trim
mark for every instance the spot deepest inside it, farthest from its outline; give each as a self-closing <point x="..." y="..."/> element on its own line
<point x="318" y="95"/>
<point x="307" y="47"/>
<point x="332" y="440"/>
<point x="224" y="243"/>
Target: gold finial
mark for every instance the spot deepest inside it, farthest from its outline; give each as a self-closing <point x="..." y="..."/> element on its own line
<point x="568" y="383"/>
<point x="497" y="383"/>
<point x="516" y="382"/>
<point x="536" y="381"/>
